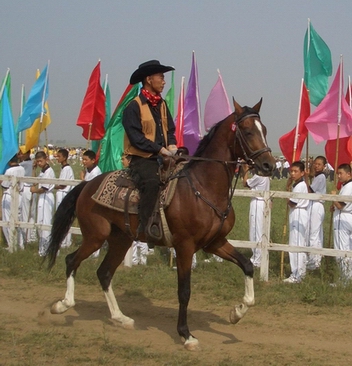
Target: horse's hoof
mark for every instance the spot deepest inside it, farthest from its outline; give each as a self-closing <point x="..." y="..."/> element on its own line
<point x="129" y="324"/>
<point x="238" y="313"/>
<point x="192" y="344"/>
<point x="59" y="308"/>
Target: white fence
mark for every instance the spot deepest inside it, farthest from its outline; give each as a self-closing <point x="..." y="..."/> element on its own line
<point x="266" y="245"/>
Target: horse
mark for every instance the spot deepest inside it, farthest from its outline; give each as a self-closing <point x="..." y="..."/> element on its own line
<point x="199" y="216"/>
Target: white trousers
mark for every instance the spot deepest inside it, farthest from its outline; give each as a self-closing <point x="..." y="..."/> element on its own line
<point x="256" y="222"/>
<point x="316" y="214"/>
<point x="59" y="197"/>
<point x="298" y="220"/>
<point x="343" y="241"/>
<point x="6" y="213"/>
<point x="44" y="216"/>
<point x="139" y="252"/>
<point x="29" y="213"/>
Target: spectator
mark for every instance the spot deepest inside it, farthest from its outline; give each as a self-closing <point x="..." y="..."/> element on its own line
<point x="343" y="221"/>
<point x="316" y="212"/>
<point x="298" y="222"/>
<point x="18" y="171"/>
<point x="256" y="210"/>
<point x="45" y="199"/>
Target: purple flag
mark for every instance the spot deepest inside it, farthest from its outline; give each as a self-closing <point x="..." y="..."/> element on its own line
<point x="217" y="106"/>
<point x="192" y="118"/>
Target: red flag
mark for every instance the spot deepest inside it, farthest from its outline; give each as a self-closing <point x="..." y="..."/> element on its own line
<point x="345" y="144"/>
<point x="92" y="114"/>
<point x="292" y="143"/>
<point x="180" y="115"/>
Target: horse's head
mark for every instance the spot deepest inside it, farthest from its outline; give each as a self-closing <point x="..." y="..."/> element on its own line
<point x="250" y="139"/>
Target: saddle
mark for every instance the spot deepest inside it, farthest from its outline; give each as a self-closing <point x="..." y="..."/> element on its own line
<point x="118" y="192"/>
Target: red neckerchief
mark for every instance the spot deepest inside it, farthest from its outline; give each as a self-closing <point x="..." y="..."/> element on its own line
<point x="153" y="99"/>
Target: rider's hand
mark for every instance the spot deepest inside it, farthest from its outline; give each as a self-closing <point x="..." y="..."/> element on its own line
<point x="165" y="152"/>
<point x="172" y="149"/>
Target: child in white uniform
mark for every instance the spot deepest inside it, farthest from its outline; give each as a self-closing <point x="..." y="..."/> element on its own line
<point x="298" y="222"/>
<point x="62" y="190"/>
<point x="45" y="200"/>
<point x="18" y="171"/>
<point x="343" y="221"/>
<point x="256" y="211"/>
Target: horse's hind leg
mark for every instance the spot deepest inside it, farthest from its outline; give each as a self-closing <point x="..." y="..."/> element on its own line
<point x="226" y="251"/>
<point x="73" y="261"/>
<point x="119" y="243"/>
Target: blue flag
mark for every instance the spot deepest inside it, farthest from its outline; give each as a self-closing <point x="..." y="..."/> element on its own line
<point x="7" y="135"/>
<point x="35" y="103"/>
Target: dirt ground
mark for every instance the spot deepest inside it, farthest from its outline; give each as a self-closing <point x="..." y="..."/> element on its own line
<point x="290" y="335"/>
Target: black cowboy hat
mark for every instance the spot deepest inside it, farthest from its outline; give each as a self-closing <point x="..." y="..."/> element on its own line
<point x="148" y="68"/>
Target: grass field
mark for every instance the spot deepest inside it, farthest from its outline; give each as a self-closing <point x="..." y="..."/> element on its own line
<point x="212" y="283"/>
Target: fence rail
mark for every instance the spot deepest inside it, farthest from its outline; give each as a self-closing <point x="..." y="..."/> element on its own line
<point x="266" y="245"/>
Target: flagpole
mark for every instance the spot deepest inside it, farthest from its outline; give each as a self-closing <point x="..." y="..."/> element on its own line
<point x="4" y="83"/>
<point x="106" y="83"/>
<point x="43" y="103"/>
<point x="89" y="133"/>
<point x="21" y="111"/>
<point x="337" y="142"/>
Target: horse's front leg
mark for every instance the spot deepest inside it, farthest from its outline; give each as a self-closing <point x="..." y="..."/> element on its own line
<point x="184" y="262"/>
<point x="229" y="253"/>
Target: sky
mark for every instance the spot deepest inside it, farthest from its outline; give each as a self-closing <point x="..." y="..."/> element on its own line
<point x="257" y="46"/>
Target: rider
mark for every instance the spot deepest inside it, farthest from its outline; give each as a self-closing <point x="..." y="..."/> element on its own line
<point x="149" y="133"/>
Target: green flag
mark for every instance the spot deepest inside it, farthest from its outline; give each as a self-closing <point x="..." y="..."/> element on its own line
<point x="111" y="148"/>
<point x="170" y="96"/>
<point x="317" y="65"/>
<point x="5" y="86"/>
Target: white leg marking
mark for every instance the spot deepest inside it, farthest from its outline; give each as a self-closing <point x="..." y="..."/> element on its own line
<point x="69" y="300"/>
<point x="115" y="311"/>
<point x="192" y="344"/>
<point x="239" y="311"/>
<point x="248" y="298"/>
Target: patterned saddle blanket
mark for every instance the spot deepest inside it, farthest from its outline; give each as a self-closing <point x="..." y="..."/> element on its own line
<point x="118" y="192"/>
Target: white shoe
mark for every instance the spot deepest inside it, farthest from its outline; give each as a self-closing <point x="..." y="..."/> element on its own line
<point x="290" y="280"/>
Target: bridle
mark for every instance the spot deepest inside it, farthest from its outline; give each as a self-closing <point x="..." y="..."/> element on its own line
<point x="252" y="155"/>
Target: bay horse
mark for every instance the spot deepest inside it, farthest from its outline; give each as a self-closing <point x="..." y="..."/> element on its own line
<point x="200" y="216"/>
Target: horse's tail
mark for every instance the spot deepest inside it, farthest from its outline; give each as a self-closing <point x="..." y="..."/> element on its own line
<point x="63" y="219"/>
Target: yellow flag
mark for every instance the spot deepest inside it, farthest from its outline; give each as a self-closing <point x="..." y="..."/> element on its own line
<point x="39" y="125"/>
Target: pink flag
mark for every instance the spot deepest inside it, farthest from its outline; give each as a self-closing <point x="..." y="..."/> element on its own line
<point x="217" y="106"/>
<point x="331" y="112"/>
<point x="180" y="115"/>
<point x="192" y="119"/>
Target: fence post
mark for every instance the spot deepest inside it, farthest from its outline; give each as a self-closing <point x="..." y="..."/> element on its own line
<point x="264" y="266"/>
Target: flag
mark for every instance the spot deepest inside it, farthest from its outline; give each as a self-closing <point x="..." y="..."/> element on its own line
<point x="5" y="88"/>
<point x="180" y="115"/>
<point x="92" y="114"/>
<point x="106" y="88"/>
<point x="217" y="106"/>
<point x="36" y="100"/>
<point x="331" y="112"/>
<point x="112" y="147"/>
<point x="317" y="65"/>
<point x="170" y="96"/>
<point x="7" y="133"/>
<point x="32" y="134"/>
<point x="291" y="143"/>
<point x="192" y="117"/>
<point x="345" y="143"/>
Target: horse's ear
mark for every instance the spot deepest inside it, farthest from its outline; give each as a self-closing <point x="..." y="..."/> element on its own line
<point x="238" y="108"/>
<point x="258" y="105"/>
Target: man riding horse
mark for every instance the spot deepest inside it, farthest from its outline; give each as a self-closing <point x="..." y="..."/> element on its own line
<point x="149" y="134"/>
